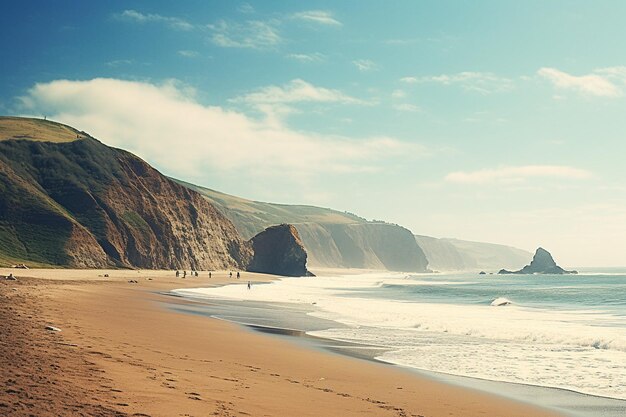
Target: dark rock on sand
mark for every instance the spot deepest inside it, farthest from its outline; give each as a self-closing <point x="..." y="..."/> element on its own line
<point x="278" y="250"/>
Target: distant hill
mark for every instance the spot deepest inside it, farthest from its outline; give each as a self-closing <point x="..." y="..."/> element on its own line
<point x="340" y="239"/>
<point x="68" y="200"/>
<point x="331" y="238"/>
<point x="457" y="255"/>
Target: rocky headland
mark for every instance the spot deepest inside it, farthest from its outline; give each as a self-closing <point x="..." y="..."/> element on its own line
<point x="542" y="263"/>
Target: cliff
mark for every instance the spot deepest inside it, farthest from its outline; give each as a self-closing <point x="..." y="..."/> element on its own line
<point x="68" y="200"/>
<point x="542" y="263"/>
<point x="458" y="255"/>
<point x="278" y="250"/>
<point x="331" y="238"/>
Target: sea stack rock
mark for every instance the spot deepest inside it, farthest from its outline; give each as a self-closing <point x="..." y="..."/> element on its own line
<point x="542" y="263"/>
<point x="278" y="250"/>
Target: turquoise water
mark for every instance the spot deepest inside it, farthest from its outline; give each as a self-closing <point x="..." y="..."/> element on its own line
<point x="601" y="291"/>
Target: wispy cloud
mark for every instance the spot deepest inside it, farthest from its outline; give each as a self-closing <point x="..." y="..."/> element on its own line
<point x="517" y="174"/>
<point x="480" y="82"/>
<point x="245" y="8"/>
<point x="139" y="17"/>
<point x="254" y="34"/>
<point x="307" y="58"/>
<point x="407" y="107"/>
<point x="365" y="65"/>
<point x="119" y="62"/>
<point x="167" y="126"/>
<point x="322" y="17"/>
<point x="398" y="93"/>
<point x="406" y="41"/>
<point x="297" y="91"/>
<point x="188" y="53"/>
<point x="600" y="83"/>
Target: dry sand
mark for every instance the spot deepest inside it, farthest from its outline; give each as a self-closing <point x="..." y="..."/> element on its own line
<point x="120" y="352"/>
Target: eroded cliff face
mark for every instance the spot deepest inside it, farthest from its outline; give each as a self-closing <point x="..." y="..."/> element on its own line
<point x="84" y="204"/>
<point x="278" y="250"/>
<point x="362" y="245"/>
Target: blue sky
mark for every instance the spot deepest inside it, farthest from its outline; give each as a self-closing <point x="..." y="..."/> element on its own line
<point x="497" y="121"/>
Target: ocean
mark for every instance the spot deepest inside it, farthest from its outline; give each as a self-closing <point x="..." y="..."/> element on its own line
<point x="560" y="331"/>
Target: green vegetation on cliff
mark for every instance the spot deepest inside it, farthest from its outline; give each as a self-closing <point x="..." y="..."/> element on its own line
<point x="83" y="204"/>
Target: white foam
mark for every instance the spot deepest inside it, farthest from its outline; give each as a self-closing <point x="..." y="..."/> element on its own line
<point x="501" y="301"/>
<point x="579" y="350"/>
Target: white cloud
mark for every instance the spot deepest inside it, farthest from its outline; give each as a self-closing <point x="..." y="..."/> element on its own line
<point x="407" y="107"/>
<point x="172" y="22"/>
<point x="595" y="84"/>
<point x="365" y="65"/>
<point x="165" y="125"/>
<point x="517" y="174"/>
<point x="480" y="82"/>
<point x="307" y="58"/>
<point x="188" y="53"/>
<point x="252" y="34"/>
<point x="321" y="17"/>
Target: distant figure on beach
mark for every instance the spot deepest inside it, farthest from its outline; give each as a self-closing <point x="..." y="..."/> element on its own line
<point x="230" y="274"/>
<point x="177" y="273"/>
<point x="238" y="275"/>
<point x="249" y="284"/>
<point x="196" y="273"/>
<point x="209" y="274"/>
<point x="184" y="274"/>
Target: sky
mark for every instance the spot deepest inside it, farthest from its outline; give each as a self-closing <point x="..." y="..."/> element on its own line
<point x="496" y="121"/>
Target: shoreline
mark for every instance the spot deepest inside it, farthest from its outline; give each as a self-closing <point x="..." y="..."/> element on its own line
<point x="120" y="352"/>
<point x="567" y="401"/>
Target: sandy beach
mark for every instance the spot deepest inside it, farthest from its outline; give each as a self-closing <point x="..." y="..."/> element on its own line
<point x="121" y="352"/>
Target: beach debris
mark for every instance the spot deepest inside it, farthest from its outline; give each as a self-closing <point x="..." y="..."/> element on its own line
<point x="52" y="329"/>
<point x="133" y="281"/>
<point x="67" y="344"/>
<point x="20" y="266"/>
<point x="106" y="275"/>
<point x="11" y="278"/>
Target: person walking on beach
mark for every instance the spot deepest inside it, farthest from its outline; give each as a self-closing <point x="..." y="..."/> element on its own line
<point x="209" y="274"/>
<point x="184" y="274"/>
<point x="238" y="275"/>
<point x="196" y="273"/>
<point x="177" y="273"/>
<point x="230" y="274"/>
<point x="249" y="285"/>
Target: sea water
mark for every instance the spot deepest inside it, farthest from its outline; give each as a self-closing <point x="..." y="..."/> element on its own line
<point x="562" y="331"/>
